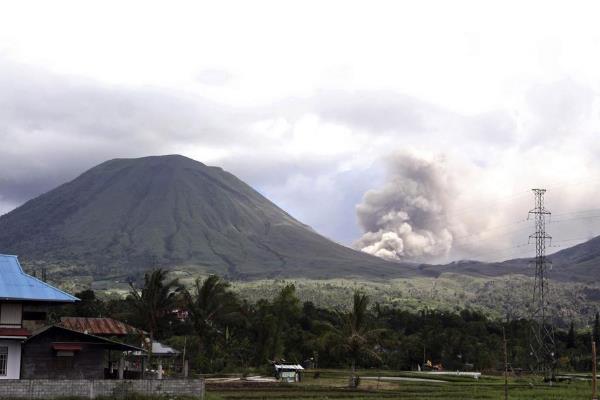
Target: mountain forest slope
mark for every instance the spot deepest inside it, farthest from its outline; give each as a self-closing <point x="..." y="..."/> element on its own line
<point x="125" y="216"/>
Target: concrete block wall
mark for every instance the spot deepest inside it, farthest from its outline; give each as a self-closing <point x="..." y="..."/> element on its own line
<point x="87" y="388"/>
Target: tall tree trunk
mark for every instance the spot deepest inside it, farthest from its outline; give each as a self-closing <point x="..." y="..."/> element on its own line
<point x="352" y="380"/>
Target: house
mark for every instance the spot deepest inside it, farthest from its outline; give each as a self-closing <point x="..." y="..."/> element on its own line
<point x="24" y="303"/>
<point x="35" y="359"/>
<point x="112" y="328"/>
<point x="55" y="352"/>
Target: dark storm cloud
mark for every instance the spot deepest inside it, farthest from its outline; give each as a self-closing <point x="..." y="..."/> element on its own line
<point x="378" y="111"/>
<point x="36" y="101"/>
<point x="276" y="169"/>
<point x="390" y="113"/>
<point x="54" y="127"/>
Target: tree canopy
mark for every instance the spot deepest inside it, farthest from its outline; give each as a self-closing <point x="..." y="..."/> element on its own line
<point x="222" y="332"/>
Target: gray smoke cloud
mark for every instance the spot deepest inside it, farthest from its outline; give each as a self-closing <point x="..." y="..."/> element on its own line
<point x="406" y="218"/>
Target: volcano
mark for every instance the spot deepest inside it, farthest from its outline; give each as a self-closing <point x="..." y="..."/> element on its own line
<point x="126" y="216"/>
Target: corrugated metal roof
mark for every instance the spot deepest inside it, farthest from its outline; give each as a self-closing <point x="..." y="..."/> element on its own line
<point x="295" y="367"/>
<point x="159" y="349"/>
<point x="17" y="285"/>
<point x="108" y="344"/>
<point x="99" y="326"/>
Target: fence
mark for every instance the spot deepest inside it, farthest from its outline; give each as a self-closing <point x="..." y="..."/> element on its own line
<point x="90" y="389"/>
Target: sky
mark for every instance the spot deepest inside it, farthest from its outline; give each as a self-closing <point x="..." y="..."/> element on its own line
<point x="410" y="130"/>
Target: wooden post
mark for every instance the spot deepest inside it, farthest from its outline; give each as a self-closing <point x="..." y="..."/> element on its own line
<point x="505" y="365"/>
<point x="183" y="353"/>
<point x="160" y="369"/>
<point x="185" y="368"/>
<point x="121" y="367"/>
<point x="594" y="397"/>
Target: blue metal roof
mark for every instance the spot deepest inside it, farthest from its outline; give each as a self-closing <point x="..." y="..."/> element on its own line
<point x="17" y="285"/>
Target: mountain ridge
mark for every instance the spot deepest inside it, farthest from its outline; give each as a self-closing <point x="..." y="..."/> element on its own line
<point x="125" y="216"/>
<point x="133" y="214"/>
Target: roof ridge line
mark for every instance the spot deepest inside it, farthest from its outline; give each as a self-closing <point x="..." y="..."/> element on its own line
<point x="45" y="283"/>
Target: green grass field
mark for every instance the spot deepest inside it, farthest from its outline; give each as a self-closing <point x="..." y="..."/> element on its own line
<point x="333" y="385"/>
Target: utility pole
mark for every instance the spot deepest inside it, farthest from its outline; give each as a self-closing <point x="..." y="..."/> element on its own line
<point x="543" y="346"/>
<point x="505" y="364"/>
<point x="183" y="356"/>
<point x="594" y="397"/>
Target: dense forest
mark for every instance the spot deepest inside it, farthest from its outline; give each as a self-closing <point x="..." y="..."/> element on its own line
<point x="224" y="333"/>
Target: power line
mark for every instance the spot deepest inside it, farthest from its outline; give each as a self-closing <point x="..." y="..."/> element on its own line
<point x="521" y="248"/>
<point x="574" y="219"/>
<point x="572" y="240"/>
<point x="509" y="250"/>
<point x="577" y="212"/>
<point x="479" y="233"/>
<point x="468" y="210"/>
<point x="557" y="186"/>
<point x="476" y="235"/>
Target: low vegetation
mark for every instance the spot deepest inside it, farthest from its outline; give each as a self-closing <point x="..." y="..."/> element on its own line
<point x="224" y="332"/>
<point x="332" y="386"/>
<point x="505" y="297"/>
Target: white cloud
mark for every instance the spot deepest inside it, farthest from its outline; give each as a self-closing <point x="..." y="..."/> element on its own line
<point x="304" y="99"/>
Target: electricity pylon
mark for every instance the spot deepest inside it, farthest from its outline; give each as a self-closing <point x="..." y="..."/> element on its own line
<point x="542" y="346"/>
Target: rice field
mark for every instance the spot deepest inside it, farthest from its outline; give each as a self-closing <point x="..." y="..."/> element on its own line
<point x="333" y="385"/>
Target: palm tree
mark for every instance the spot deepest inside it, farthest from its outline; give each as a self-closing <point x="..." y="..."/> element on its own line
<point x="210" y="303"/>
<point x="355" y="337"/>
<point x="155" y="300"/>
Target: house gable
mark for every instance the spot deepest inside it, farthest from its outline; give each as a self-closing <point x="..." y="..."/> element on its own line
<point x="59" y="353"/>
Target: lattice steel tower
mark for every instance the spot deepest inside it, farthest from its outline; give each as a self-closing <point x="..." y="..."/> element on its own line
<point x="543" y="345"/>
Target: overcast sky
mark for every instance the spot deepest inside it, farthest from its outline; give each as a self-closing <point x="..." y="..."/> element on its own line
<point x="323" y="106"/>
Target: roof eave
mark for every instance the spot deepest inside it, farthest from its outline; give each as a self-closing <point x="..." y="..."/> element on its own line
<point x="29" y="299"/>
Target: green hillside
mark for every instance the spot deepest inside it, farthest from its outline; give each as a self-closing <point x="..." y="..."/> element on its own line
<point x="126" y="216"/>
<point x="129" y="215"/>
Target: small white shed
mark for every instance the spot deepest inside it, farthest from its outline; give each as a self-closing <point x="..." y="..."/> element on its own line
<point x="288" y="372"/>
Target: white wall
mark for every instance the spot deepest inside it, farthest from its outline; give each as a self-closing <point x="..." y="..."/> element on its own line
<point x="13" y="370"/>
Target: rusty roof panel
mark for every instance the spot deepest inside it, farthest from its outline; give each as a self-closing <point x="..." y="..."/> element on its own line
<point x="99" y="326"/>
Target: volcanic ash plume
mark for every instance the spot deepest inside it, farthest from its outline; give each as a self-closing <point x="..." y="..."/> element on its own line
<point x="405" y="220"/>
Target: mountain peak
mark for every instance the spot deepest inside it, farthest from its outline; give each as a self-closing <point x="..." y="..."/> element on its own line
<point x="167" y="159"/>
<point x="125" y="216"/>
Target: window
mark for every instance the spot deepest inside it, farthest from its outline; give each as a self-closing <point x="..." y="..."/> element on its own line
<point x="63" y="363"/>
<point x="34" y="315"/>
<point x="3" y="360"/>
